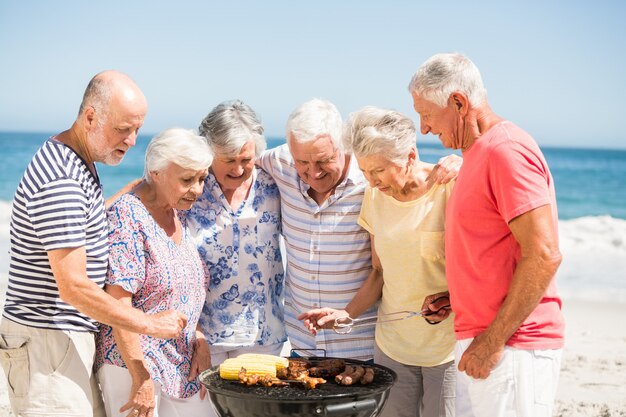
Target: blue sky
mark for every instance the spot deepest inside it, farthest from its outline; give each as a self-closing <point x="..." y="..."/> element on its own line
<point x="557" y="68"/>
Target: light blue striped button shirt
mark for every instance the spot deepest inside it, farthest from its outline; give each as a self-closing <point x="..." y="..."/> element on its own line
<point x="328" y="255"/>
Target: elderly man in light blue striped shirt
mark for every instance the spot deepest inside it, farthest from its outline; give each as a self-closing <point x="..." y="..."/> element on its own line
<point x="328" y="253"/>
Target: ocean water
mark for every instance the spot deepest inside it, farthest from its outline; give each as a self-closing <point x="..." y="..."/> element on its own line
<point x="591" y="198"/>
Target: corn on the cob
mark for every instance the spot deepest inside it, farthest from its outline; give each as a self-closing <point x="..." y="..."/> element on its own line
<point x="277" y="361"/>
<point x="229" y="369"/>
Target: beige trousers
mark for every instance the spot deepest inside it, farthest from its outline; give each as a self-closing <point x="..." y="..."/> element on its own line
<point x="49" y="372"/>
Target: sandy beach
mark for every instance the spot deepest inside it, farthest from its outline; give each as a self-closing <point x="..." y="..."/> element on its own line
<point x="593" y="381"/>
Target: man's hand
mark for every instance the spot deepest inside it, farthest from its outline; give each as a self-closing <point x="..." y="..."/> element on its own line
<point x="446" y="170"/>
<point x="434" y="307"/>
<point x="481" y="357"/>
<point x="321" y="318"/>
<point x="166" y="324"/>
<point x="125" y="189"/>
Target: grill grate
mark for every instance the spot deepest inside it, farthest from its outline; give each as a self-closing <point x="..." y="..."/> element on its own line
<point x="383" y="379"/>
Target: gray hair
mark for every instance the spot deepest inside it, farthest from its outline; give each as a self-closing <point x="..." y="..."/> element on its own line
<point x="313" y="119"/>
<point x="443" y="74"/>
<point x="376" y="131"/>
<point x="177" y="146"/>
<point x="230" y="125"/>
<point x="97" y="95"/>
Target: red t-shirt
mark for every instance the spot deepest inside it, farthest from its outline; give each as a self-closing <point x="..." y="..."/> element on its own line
<point x="504" y="174"/>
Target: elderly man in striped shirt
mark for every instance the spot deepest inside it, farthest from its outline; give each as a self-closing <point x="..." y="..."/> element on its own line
<point x="59" y="256"/>
<point x="328" y="253"/>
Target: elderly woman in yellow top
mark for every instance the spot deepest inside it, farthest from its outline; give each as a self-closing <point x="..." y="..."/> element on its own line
<point x="404" y="213"/>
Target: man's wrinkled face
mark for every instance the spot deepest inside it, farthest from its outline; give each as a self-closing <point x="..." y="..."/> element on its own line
<point x="319" y="163"/>
<point x="115" y="132"/>
<point x="439" y="121"/>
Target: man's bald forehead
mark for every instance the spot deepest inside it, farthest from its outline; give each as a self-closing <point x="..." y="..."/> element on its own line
<point x="104" y="85"/>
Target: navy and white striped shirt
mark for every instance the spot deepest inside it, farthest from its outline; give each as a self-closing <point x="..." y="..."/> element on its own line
<point x="58" y="204"/>
<point x="328" y="255"/>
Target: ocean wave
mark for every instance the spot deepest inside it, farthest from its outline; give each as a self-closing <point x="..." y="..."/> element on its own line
<point x="593" y="248"/>
<point x="594" y="258"/>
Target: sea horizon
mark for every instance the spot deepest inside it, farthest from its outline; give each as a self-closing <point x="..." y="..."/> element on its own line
<point x="588" y="180"/>
<point x="421" y="140"/>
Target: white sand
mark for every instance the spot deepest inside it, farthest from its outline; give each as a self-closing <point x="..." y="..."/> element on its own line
<point x="593" y="373"/>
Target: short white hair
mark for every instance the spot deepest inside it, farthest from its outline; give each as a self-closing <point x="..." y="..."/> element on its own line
<point x="443" y="74"/>
<point x="230" y="125"/>
<point x="313" y="119"/>
<point x="178" y="146"/>
<point x="376" y="131"/>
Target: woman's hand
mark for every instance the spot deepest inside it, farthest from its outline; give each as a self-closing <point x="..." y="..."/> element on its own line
<point x="141" y="402"/>
<point x="200" y="360"/>
<point x="321" y="318"/>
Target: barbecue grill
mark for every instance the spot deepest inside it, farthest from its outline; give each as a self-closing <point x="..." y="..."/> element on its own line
<point x="233" y="399"/>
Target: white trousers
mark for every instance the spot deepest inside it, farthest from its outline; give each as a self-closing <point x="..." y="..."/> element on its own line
<point x="116" y="383"/>
<point x="523" y="384"/>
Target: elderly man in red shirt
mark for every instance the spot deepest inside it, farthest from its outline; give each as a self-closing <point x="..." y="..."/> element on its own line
<point x="501" y="248"/>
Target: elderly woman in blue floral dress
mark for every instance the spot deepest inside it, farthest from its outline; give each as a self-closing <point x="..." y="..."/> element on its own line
<point x="236" y="223"/>
<point x="153" y="266"/>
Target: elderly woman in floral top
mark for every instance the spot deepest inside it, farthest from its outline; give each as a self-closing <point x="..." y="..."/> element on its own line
<point x="154" y="265"/>
<point x="236" y="223"/>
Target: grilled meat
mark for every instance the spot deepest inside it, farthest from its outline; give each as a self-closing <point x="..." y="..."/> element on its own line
<point x="328" y="368"/>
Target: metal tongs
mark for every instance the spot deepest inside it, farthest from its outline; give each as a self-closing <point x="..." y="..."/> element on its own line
<point x="344" y="325"/>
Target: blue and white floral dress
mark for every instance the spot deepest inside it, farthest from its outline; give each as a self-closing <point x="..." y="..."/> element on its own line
<point x="244" y="305"/>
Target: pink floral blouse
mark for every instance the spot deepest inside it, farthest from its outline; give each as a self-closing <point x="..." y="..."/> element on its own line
<point x="161" y="275"/>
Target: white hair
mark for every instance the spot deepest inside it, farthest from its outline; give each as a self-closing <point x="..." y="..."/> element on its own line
<point x="443" y="74"/>
<point x="178" y="146"/>
<point x="230" y="125"/>
<point x="376" y="131"/>
<point x="313" y="119"/>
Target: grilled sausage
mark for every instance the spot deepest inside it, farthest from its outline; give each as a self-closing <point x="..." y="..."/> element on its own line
<point x="355" y="377"/>
<point x="348" y="370"/>
<point x="368" y="378"/>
